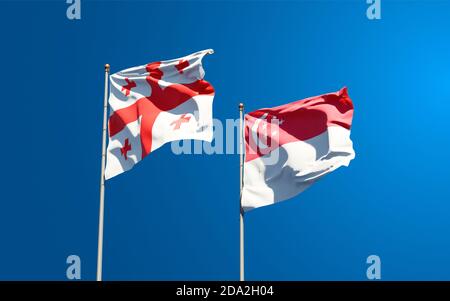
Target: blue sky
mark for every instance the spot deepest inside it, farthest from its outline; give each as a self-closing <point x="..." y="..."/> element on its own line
<point x="176" y="217"/>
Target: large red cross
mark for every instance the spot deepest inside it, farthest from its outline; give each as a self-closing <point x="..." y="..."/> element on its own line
<point x="161" y="99"/>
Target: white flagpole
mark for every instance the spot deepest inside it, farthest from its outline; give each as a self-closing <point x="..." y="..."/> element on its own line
<point x="241" y="213"/>
<point x="102" y="181"/>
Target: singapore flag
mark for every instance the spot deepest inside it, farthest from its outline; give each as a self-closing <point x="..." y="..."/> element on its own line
<point x="154" y="104"/>
<point x="290" y="147"/>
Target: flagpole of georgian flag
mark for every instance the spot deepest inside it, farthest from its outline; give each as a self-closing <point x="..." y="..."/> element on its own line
<point x="102" y="180"/>
<point x="241" y="213"/>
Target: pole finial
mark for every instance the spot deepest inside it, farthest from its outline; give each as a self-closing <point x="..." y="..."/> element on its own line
<point x="241" y="106"/>
<point x="107" y="67"/>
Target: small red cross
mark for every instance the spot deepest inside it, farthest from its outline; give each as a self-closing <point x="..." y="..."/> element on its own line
<point x="130" y="84"/>
<point x="182" y="64"/>
<point x="125" y="149"/>
<point x="180" y="121"/>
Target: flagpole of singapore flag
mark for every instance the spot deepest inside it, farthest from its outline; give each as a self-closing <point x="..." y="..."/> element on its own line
<point x="289" y="147"/>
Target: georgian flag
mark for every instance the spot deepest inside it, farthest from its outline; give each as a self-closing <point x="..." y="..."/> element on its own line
<point x="290" y="147"/>
<point x="154" y="104"/>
